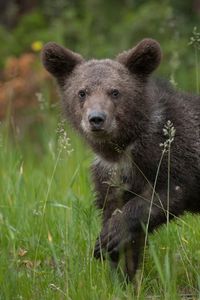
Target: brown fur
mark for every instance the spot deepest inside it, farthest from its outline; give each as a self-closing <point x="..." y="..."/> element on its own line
<point x="121" y="113"/>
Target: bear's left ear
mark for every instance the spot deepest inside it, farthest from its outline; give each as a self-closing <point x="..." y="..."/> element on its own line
<point x="59" y="61"/>
<point x="142" y="59"/>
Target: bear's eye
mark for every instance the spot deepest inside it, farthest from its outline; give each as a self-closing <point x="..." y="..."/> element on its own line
<point x="82" y="94"/>
<point x="115" y="93"/>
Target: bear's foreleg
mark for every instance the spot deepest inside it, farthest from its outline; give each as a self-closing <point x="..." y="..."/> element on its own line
<point x="126" y="226"/>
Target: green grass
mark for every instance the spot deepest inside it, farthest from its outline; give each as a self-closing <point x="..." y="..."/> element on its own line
<point x="48" y="226"/>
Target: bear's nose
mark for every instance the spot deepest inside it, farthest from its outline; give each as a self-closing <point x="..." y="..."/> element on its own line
<point x="96" y="120"/>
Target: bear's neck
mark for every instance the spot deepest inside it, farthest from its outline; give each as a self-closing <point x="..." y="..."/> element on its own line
<point x="109" y="151"/>
<point x="112" y="151"/>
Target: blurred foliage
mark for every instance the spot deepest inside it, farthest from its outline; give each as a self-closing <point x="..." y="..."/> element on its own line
<point x="94" y="28"/>
<point x="101" y="28"/>
<point x="46" y="209"/>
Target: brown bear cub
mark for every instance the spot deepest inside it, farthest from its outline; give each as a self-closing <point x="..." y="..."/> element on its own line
<point x="130" y="120"/>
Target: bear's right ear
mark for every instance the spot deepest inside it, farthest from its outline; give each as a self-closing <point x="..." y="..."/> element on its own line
<point x="59" y="61"/>
<point x="143" y="59"/>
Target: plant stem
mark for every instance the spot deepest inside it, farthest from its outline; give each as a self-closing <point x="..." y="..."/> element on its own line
<point x="43" y="213"/>
<point x="197" y="69"/>
<point x="147" y="226"/>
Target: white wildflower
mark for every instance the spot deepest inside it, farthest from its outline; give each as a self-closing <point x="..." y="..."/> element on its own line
<point x="169" y="133"/>
<point x="63" y="139"/>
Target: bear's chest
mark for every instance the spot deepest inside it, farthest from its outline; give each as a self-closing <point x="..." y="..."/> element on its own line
<point x="120" y="175"/>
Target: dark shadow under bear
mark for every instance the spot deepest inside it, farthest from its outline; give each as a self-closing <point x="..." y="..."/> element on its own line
<point x="122" y="112"/>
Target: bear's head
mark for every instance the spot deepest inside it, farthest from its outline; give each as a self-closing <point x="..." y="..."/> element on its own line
<point x="105" y="100"/>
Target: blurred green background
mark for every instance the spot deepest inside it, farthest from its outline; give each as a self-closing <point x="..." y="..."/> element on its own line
<point x="48" y="224"/>
<point x="94" y="28"/>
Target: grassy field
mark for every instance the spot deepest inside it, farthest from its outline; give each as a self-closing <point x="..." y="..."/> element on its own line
<point x="48" y="226"/>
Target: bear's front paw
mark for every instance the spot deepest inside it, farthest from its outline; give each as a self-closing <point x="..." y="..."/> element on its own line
<point x="113" y="237"/>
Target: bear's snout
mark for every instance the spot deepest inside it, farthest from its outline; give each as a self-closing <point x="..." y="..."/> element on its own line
<point x="96" y="120"/>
